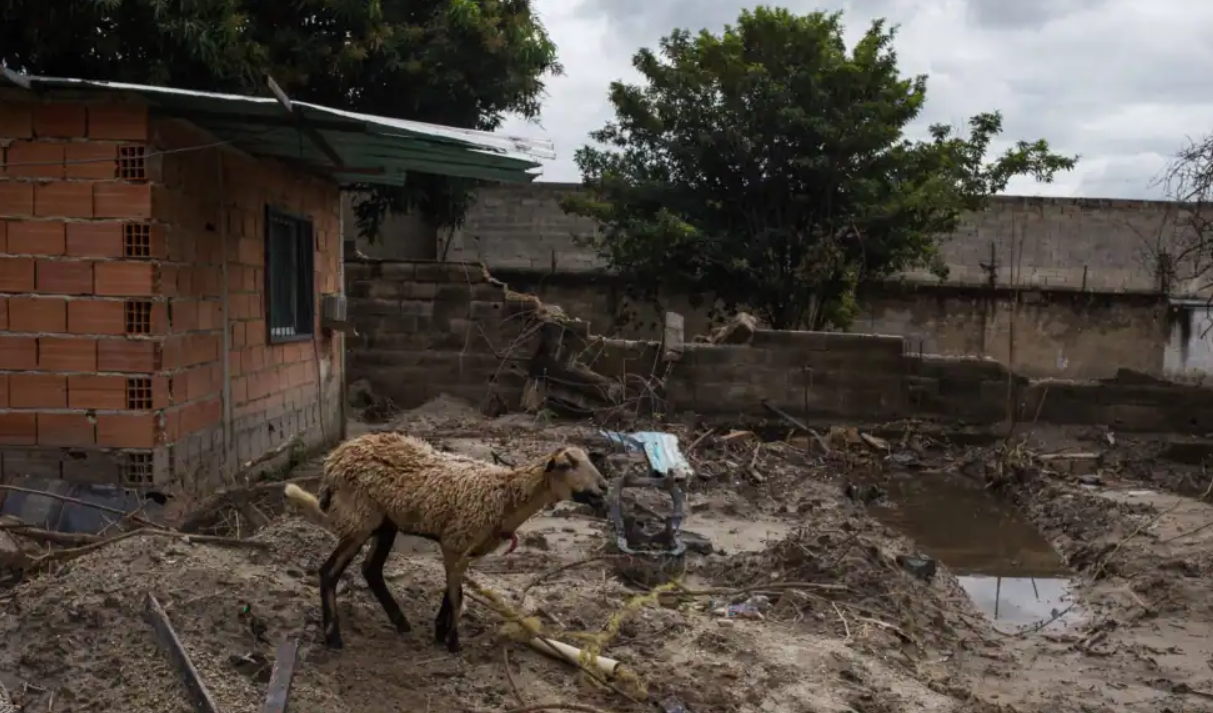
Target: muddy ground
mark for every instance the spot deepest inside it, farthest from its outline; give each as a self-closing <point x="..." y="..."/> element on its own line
<point x="846" y="624"/>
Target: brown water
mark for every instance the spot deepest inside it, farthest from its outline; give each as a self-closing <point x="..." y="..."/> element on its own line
<point x="1012" y="574"/>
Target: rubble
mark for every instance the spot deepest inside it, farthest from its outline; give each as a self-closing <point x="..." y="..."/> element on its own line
<point x="793" y="597"/>
<point x="737" y="329"/>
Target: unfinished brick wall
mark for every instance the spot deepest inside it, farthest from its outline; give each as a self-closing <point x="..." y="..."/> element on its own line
<point x="118" y="269"/>
<point x="213" y="205"/>
<point x="83" y="326"/>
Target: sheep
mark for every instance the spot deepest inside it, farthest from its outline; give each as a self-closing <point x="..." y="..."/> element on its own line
<point x="381" y="484"/>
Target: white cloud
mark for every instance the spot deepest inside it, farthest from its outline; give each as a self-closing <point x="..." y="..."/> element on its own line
<point x="1120" y="82"/>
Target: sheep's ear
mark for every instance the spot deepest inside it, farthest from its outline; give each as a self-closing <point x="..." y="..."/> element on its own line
<point x="560" y="460"/>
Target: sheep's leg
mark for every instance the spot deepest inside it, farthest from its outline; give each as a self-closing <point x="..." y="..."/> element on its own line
<point x="442" y="624"/>
<point x="456" y="563"/>
<point x="330" y="574"/>
<point x="372" y="570"/>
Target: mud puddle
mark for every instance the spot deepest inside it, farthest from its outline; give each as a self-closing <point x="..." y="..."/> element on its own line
<point x="1009" y="570"/>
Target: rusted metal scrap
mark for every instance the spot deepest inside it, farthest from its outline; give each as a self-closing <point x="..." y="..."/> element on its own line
<point x="171" y="644"/>
<point x="278" y="696"/>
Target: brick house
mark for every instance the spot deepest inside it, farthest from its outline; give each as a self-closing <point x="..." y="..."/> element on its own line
<point x="166" y="258"/>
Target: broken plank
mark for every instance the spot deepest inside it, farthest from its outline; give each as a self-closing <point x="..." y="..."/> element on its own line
<point x="171" y="644"/>
<point x="278" y="696"/>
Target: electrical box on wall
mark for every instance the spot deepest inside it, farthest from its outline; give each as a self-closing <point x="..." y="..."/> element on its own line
<point x="334" y="314"/>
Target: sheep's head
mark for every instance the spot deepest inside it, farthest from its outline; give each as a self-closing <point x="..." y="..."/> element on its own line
<point x="571" y="476"/>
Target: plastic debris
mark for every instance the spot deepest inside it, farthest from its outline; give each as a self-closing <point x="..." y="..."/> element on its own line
<point x="751" y="608"/>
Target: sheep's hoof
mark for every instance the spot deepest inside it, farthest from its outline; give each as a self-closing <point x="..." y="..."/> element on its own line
<point x="452" y="644"/>
<point x="333" y="640"/>
<point x="403" y="626"/>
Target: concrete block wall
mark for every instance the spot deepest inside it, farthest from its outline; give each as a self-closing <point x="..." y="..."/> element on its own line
<point x="1062" y="334"/>
<point x="1058" y="333"/>
<point x="122" y="271"/>
<point x="858" y="378"/>
<point x="428" y="328"/>
<point x="809" y="373"/>
<point x="1072" y="243"/>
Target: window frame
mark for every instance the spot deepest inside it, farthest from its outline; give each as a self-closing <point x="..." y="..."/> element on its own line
<point x="303" y="292"/>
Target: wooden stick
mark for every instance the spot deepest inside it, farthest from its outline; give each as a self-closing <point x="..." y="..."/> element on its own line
<point x="821" y="443"/>
<point x="171" y="644"/>
<point x="29" y="563"/>
<point x="272" y="453"/>
<point x="278" y="695"/>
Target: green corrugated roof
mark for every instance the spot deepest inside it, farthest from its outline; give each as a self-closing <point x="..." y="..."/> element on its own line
<point x="392" y="147"/>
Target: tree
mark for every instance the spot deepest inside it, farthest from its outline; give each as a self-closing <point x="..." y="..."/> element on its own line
<point x="463" y="63"/>
<point x="767" y="167"/>
<point x="1181" y="249"/>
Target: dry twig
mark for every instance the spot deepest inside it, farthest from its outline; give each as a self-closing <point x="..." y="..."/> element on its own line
<point x="509" y="676"/>
<point x="553" y="572"/>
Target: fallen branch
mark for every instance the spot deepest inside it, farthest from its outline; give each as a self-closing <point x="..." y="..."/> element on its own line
<point x="553" y="572"/>
<point x="33" y="563"/>
<point x="509" y="676"/>
<point x="272" y="453"/>
<point x="845" y="627"/>
<point x="695" y="443"/>
<point x="768" y="587"/>
<point x="236" y="497"/>
<point x="1106" y="559"/>
<point x="580" y="708"/>
<point x="58" y="538"/>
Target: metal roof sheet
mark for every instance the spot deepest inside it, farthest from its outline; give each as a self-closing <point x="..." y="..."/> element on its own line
<point x="375" y="149"/>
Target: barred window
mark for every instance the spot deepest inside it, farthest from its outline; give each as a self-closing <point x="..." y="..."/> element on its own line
<point x="290" y="282"/>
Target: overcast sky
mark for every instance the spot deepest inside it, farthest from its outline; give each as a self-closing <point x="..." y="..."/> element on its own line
<point x="1121" y="82"/>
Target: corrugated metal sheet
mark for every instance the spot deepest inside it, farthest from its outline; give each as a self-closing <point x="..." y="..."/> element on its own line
<point x="51" y="513"/>
<point x="262" y="126"/>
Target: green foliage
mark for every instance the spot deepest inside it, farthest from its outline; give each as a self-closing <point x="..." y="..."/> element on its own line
<point x="463" y="63"/>
<point x="767" y="167"/>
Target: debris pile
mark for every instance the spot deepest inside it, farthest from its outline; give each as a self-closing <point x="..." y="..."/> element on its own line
<point x="791" y="595"/>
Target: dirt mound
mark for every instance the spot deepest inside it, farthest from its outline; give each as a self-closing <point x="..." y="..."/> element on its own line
<point x="1078" y="522"/>
<point x="82" y="634"/>
<point x="853" y="576"/>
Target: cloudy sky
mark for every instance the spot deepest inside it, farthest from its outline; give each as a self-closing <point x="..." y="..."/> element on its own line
<point x="1124" y="83"/>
